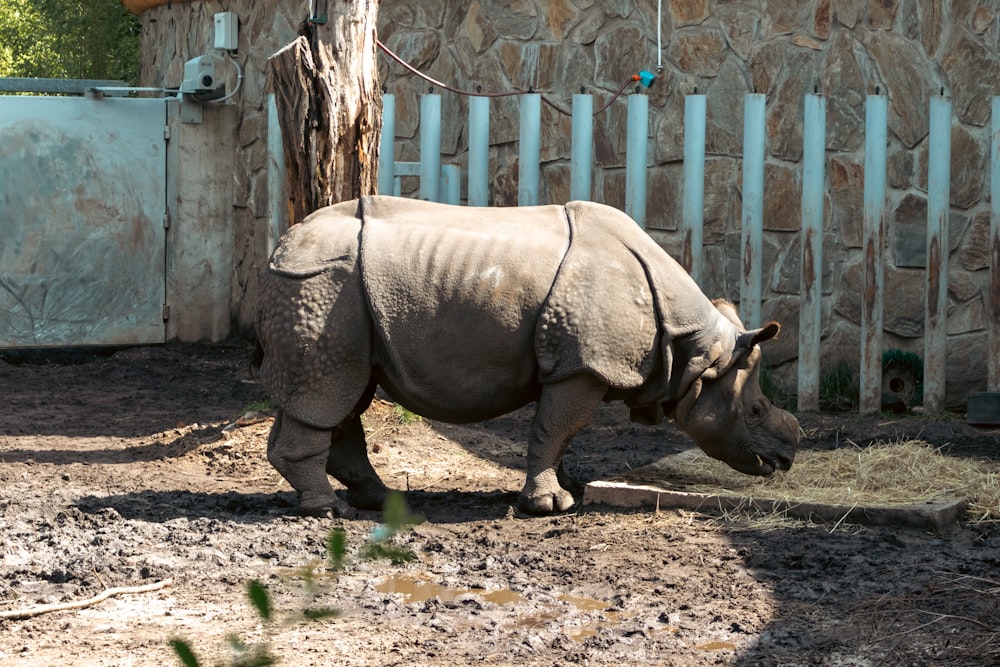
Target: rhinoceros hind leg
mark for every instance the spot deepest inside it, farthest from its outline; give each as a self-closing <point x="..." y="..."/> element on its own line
<point x="298" y="451"/>
<point x="568" y="482"/>
<point x="348" y="462"/>
<point x="563" y="409"/>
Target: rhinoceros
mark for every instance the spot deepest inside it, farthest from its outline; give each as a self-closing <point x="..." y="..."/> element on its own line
<point x="463" y="314"/>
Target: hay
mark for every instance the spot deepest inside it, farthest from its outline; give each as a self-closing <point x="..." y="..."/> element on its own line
<point x="886" y="474"/>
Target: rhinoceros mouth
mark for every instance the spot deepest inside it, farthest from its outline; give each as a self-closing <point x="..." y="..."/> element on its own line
<point x="760" y="465"/>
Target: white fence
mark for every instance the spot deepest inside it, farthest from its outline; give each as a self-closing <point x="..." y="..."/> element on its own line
<point x="443" y="184"/>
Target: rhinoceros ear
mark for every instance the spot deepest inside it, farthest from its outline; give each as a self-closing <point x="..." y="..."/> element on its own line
<point x="748" y="339"/>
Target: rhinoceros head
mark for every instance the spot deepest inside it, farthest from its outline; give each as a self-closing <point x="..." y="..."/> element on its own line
<point x="727" y="415"/>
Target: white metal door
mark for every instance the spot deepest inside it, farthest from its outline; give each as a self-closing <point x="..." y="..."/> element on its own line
<point x="82" y="210"/>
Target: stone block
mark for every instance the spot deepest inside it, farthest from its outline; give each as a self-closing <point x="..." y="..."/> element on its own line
<point x="849" y="12"/>
<point x="699" y="51"/>
<point x="881" y="14"/>
<point x="688" y="12"/>
<point x="972" y="69"/>
<point x="664" y="205"/>
<point x="477" y="27"/>
<point x="785" y="347"/>
<point x="908" y="232"/>
<point x="724" y="109"/>
<point x="899" y="169"/>
<point x="618" y="52"/>
<point x="974" y="248"/>
<point x="931" y="515"/>
<point x="909" y="78"/>
<point x="965" y="373"/>
<point x="782" y="198"/>
<point x="823" y="18"/>
<point x="512" y="19"/>
<point x="739" y="24"/>
<point x="783" y="17"/>
<point x="847" y="179"/>
<point x="560" y="17"/>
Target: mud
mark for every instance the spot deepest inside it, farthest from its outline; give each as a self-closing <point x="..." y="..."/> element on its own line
<point x="131" y="467"/>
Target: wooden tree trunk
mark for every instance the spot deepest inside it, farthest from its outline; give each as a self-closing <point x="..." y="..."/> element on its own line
<point x="329" y="108"/>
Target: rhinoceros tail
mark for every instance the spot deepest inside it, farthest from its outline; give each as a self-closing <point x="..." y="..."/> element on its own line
<point x="257" y="361"/>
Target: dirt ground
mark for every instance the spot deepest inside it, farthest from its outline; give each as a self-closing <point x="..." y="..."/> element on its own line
<point x="132" y="467"/>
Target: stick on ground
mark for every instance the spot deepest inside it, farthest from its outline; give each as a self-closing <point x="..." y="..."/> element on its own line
<point x="80" y="604"/>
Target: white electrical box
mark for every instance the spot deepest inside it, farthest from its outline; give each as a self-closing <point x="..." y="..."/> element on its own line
<point x="226" y="31"/>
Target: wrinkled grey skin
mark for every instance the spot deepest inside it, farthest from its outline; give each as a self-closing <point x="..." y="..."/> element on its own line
<point x="464" y="314"/>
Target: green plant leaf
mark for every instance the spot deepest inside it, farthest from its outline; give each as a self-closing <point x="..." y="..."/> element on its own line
<point x="395" y="554"/>
<point x="405" y="416"/>
<point x="396" y="515"/>
<point x="258" y="406"/>
<point x="336" y="548"/>
<point x="183" y="651"/>
<point x="260" y="658"/>
<point x="259" y="598"/>
<point x="308" y="574"/>
<point x="320" y="613"/>
<point x="235" y="643"/>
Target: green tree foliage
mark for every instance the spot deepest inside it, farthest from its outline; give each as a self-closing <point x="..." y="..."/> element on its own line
<point x="72" y="39"/>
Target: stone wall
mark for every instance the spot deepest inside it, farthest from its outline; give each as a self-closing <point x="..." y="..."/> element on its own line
<point x="910" y="49"/>
<point x="845" y="49"/>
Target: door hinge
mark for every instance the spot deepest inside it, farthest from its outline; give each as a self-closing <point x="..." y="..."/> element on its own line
<point x="166" y="219"/>
<point x="166" y="312"/>
<point x="166" y="133"/>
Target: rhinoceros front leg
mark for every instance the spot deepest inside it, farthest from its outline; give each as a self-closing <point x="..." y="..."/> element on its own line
<point x="563" y="409"/>
<point x="299" y="452"/>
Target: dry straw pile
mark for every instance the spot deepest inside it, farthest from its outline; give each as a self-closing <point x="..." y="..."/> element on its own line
<point x="900" y="473"/>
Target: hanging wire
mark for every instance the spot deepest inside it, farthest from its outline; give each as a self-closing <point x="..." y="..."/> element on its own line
<point x="659" y="33"/>
<point x="239" y="79"/>
<point x="478" y="92"/>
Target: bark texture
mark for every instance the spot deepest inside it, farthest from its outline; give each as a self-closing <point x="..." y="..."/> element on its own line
<point x="329" y="108"/>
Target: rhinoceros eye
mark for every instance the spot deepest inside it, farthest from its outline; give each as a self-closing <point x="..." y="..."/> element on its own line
<point x="757" y="410"/>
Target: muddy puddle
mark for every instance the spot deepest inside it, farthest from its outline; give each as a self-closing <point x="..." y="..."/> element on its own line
<point x="415" y="590"/>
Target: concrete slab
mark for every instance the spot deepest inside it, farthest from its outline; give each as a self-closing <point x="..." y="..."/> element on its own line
<point x="935" y="516"/>
<point x="983" y="408"/>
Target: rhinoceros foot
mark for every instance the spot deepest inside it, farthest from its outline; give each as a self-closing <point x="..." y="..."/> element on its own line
<point x="544" y="497"/>
<point x="570" y="483"/>
<point x="366" y="497"/>
<point x="323" y="505"/>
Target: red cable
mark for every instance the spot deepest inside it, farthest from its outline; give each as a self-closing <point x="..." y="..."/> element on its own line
<point x="477" y="93"/>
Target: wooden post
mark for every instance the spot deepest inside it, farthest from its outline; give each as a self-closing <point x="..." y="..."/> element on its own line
<point x="325" y="84"/>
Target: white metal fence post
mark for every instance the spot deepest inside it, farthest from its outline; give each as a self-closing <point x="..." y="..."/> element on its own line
<point x="479" y="151"/>
<point x="430" y="147"/>
<point x="529" y="153"/>
<point x="451" y="184"/>
<point x="387" y="145"/>
<point x="693" y="215"/>
<point x="938" y="198"/>
<point x="872" y="308"/>
<point x="810" y="313"/>
<point x="752" y="221"/>
<point x="582" y="155"/>
<point x="636" y="152"/>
